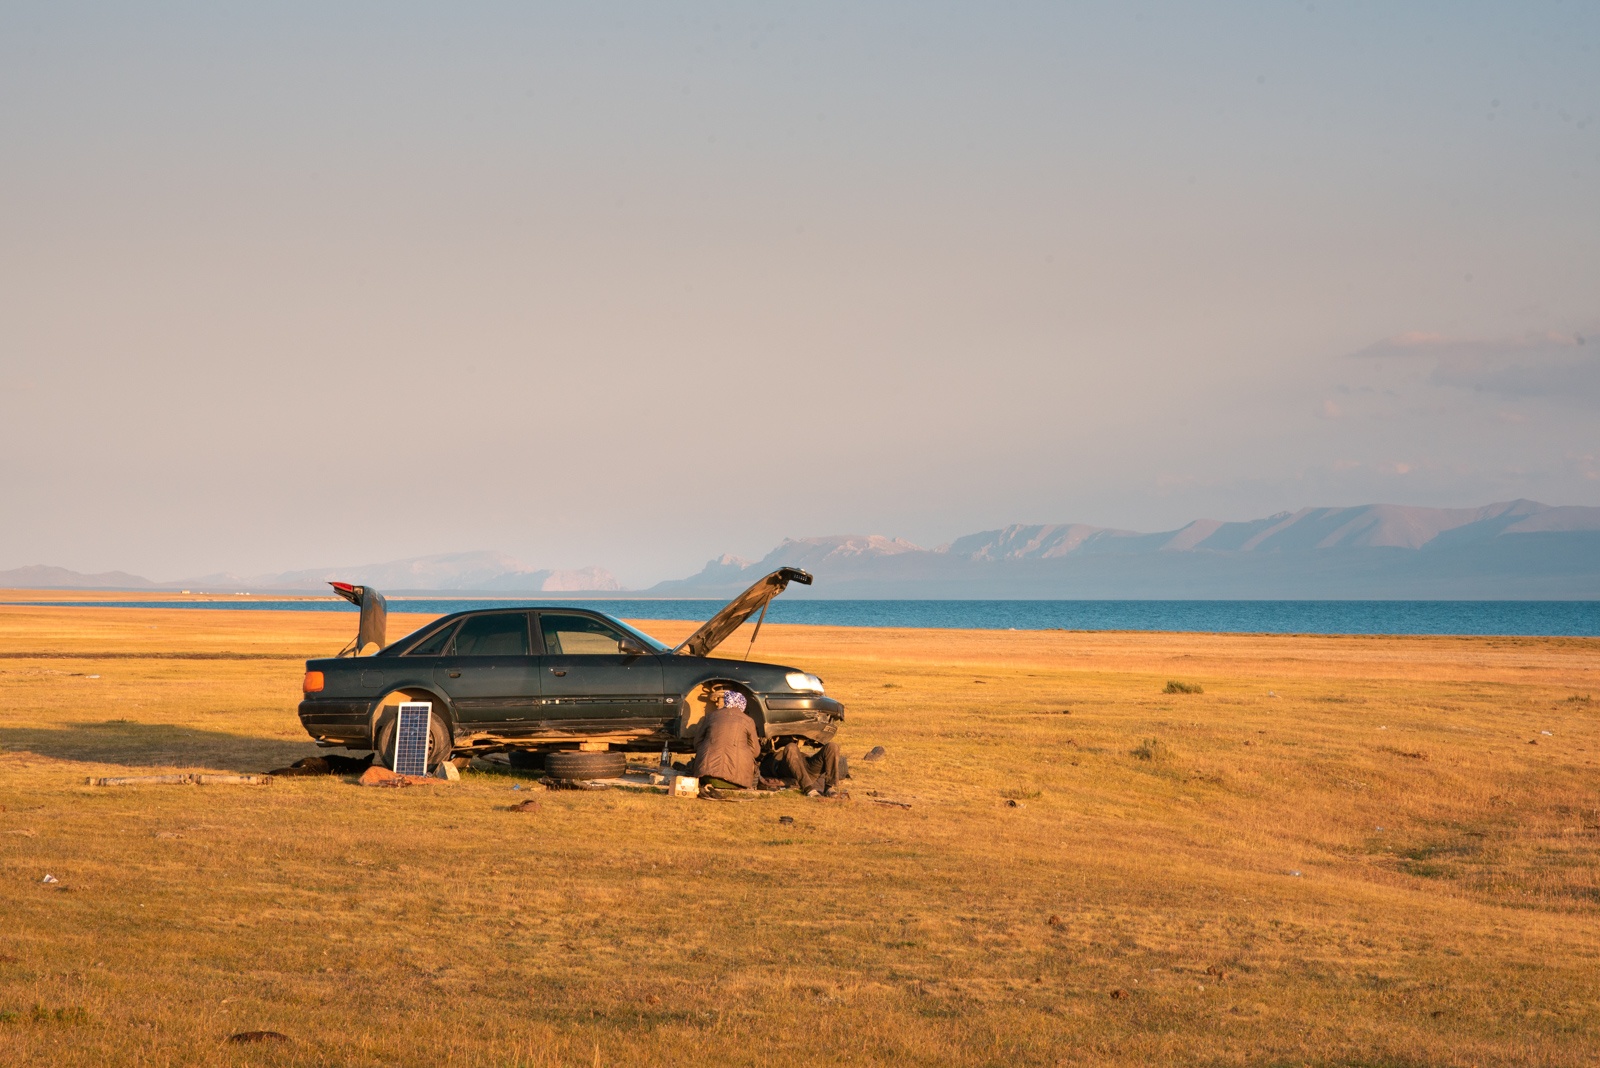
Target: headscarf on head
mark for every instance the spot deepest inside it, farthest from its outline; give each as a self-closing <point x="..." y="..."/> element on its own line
<point x="733" y="699"/>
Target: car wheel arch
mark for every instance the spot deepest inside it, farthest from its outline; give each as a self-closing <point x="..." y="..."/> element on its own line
<point x="441" y="705"/>
<point x="700" y="691"/>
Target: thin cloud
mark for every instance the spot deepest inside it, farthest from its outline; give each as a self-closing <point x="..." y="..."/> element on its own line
<point x="1547" y="364"/>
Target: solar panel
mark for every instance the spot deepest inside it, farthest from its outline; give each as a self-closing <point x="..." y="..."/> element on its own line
<point x="411" y="738"/>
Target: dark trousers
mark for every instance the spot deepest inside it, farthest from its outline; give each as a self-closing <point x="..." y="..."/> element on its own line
<point x="818" y="771"/>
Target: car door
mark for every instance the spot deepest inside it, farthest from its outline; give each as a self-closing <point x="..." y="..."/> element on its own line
<point x="489" y="672"/>
<point x="587" y="676"/>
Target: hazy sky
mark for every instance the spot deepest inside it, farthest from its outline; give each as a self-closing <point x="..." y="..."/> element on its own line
<point x="296" y="285"/>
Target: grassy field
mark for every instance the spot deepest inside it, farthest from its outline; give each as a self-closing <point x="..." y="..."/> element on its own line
<point x="1341" y="851"/>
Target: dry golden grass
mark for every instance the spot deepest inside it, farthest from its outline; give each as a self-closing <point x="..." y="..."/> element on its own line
<point x="1154" y="852"/>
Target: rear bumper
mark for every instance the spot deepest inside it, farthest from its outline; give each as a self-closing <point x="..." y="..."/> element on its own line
<point x="339" y="722"/>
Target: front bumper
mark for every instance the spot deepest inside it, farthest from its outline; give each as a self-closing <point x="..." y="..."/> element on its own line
<point x="809" y="716"/>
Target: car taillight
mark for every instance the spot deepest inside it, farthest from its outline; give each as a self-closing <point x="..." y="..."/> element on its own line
<point x="314" y="682"/>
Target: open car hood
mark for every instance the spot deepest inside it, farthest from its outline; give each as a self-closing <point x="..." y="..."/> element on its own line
<point x="374" y="616"/>
<point x="715" y="630"/>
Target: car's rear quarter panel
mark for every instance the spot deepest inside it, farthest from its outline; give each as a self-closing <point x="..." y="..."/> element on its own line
<point x="341" y="711"/>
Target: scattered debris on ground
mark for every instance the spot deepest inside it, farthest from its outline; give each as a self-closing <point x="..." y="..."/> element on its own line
<point x="331" y="764"/>
<point x="786" y="820"/>
<point x="1118" y="994"/>
<point x="889" y="801"/>
<point x="245" y="1038"/>
<point x="378" y="775"/>
<point x="193" y="779"/>
<point x="713" y="793"/>
<point x="875" y="754"/>
<point x="529" y="805"/>
<point x="1054" y="921"/>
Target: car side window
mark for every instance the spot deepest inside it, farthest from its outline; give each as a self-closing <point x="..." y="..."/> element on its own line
<point x="501" y="634"/>
<point x="579" y="636"/>
<point x="433" y="644"/>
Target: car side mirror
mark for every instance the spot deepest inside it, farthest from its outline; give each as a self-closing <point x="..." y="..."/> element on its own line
<point x="629" y="647"/>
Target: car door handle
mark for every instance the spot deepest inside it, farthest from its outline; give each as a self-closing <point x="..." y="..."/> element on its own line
<point x="455" y="674"/>
<point x="558" y="671"/>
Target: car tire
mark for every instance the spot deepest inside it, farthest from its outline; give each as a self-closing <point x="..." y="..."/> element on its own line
<point x="576" y="767"/>
<point x="439" y="742"/>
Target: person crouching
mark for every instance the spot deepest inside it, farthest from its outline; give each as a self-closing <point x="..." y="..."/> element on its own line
<point x="815" y="773"/>
<point x="725" y="753"/>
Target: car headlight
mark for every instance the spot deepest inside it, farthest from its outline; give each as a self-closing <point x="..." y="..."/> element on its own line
<point x="799" y="680"/>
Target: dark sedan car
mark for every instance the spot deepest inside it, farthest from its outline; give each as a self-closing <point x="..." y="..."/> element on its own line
<point x="542" y="679"/>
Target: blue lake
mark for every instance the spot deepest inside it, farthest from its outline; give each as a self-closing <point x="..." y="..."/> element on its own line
<point x="1554" y="618"/>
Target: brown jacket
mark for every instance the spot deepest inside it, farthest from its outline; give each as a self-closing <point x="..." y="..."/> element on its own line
<point x="728" y="747"/>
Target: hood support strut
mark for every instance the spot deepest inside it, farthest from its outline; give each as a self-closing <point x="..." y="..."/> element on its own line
<point x="757" y="632"/>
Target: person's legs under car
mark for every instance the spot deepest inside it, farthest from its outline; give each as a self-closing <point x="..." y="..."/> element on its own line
<point x="813" y="773"/>
<point x="824" y="765"/>
<point x="798" y="765"/>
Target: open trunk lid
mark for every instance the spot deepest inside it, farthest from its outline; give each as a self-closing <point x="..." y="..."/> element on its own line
<point x="715" y="630"/>
<point x="374" y="626"/>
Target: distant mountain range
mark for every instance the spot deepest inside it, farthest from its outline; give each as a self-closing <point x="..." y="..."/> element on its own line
<point x="483" y="572"/>
<point x="41" y="577"/>
<point x="475" y="572"/>
<point x="1516" y="549"/>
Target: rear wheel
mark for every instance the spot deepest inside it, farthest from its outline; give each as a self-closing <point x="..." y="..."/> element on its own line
<point x="576" y="767"/>
<point x="439" y="743"/>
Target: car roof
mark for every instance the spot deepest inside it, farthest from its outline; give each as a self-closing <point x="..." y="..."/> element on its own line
<point x="524" y="608"/>
<point x="430" y="628"/>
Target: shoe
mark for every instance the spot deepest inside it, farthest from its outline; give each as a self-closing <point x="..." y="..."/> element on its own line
<point x="813" y="792"/>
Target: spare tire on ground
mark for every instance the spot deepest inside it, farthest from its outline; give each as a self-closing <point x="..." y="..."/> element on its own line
<point x="575" y="767"/>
